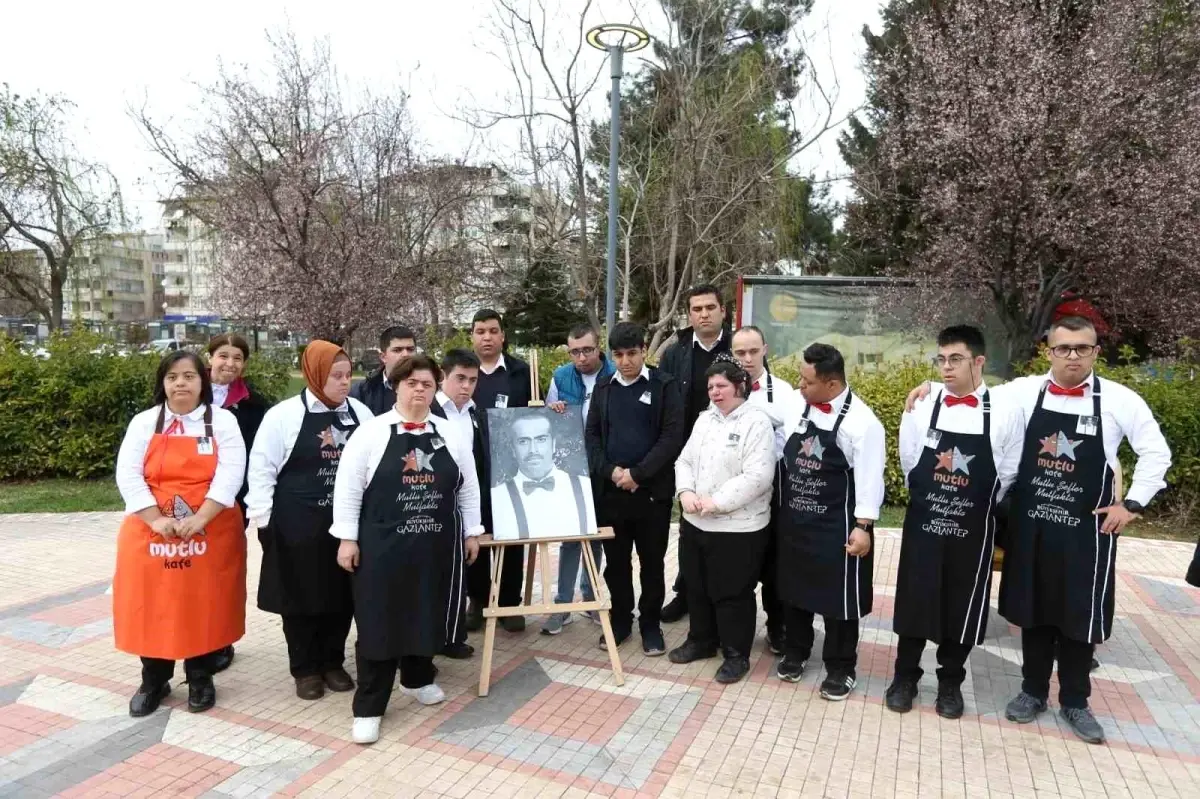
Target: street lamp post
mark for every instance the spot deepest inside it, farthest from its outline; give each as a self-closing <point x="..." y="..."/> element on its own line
<point x="616" y="52"/>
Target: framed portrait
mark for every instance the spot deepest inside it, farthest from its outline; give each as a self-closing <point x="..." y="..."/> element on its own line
<point x="540" y="484"/>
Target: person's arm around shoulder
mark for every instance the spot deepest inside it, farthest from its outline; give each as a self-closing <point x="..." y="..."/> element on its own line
<point x="758" y="466"/>
<point x="670" y="434"/>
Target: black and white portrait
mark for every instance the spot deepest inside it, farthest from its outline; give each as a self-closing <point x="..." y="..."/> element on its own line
<point x="540" y="485"/>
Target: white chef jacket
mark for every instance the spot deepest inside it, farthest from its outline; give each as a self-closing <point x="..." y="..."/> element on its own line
<point x="362" y="455"/>
<point x="231" y="455"/>
<point x="863" y="441"/>
<point x="783" y="407"/>
<point x="1007" y="431"/>
<point x="273" y="446"/>
<point x="459" y="418"/>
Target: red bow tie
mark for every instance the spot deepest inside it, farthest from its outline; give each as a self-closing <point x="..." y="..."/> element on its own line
<point x="971" y="401"/>
<point x="174" y="428"/>
<point x="414" y="425"/>
<point x="1059" y="391"/>
<point x="756" y="386"/>
<point x="823" y="407"/>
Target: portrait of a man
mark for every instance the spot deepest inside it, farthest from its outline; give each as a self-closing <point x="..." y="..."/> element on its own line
<point x="540" y="485"/>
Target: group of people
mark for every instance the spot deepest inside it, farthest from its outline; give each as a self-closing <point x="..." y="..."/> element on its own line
<point x="369" y="502"/>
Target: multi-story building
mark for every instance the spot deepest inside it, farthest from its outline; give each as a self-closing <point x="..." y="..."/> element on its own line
<point x="190" y="248"/>
<point x="116" y="281"/>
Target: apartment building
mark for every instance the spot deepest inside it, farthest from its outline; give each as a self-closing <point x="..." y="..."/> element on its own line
<point x="117" y="280"/>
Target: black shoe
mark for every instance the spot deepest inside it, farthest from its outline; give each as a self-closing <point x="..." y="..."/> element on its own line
<point x="691" y="651"/>
<point x="653" y="643"/>
<point x="619" y="636"/>
<point x="1024" y="708"/>
<point x="474" y="617"/>
<point x="790" y="670"/>
<point x="900" y="695"/>
<point x="837" y="687"/>
<point x="222" y="659"/>
<point x="775" y="640"/>
<point x="462" y="651"/>
<point x="733" y="669"/>
<point x="309" y="688"/>
<point x="1095" y="664"/>
<point x="147" y="699"/>
<point x="513" y="624"/>
<point x="674" y="610"/>
<point x="1083" y="723"/>
<point x="202" y="694"/>
<point x="338" y="680"/>
<point x="949" y="703"/>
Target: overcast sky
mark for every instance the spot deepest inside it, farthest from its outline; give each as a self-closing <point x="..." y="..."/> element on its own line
<point x="106" y="57"/>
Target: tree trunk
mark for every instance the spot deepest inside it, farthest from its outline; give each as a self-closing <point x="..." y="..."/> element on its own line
<point x="56" y="297"/>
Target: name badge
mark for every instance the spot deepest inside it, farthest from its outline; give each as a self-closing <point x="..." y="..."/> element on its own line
<point x="1088" y="425"/>
<point x="933" y="438"/>
<point x="501" y="400"/>
<point x="345" y="418"/>
<point x="645" y="398"/>
<point x="802" y="426"/>
<point x="734" y="438"/>
<point x="204" y="445"/>
<point x="437" y="442"/>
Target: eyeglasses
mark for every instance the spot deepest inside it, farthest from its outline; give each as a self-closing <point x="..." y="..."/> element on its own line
<point x="1077" y="350"/>
<point x="954" y="360"/>
<point x="581" y="351"/>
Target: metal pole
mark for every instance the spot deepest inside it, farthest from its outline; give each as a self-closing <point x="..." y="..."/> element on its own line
<point x="615" y="53"/>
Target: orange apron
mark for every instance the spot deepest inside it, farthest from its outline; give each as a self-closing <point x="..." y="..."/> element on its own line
<point x="178" y="599"/>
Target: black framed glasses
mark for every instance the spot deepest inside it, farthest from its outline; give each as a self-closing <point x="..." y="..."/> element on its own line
<point x="955" y="360"/>
<point x="1077" y="350"/>
<point x="581" y="351"/>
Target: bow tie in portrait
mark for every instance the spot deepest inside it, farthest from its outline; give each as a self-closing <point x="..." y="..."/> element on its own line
<point x="533" y="485"/>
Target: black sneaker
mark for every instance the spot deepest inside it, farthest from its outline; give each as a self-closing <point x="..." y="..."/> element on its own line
<point x="620" y="636"/>
<point x="1024" y="708"/>
<point x="1083" y="724"/>
<point x="674" y="610"/>
<point x="691" y="651"/>
<point x="900" y="695"/>
<point x="653" y="644"/>
<point x="513" y="624"/>
<point x="459" y="651"/>
<point x="837" y="687"/>
<point x="474" y="617"/>
<point x="775" y="641"/>
<point x="1095" y="664"/>
<point x="790" y="670"/>
<point x="202" y="694"/>
<point x="949" y="703"/>
<point x="147" y="699"/>
<point x="733" y="669"/>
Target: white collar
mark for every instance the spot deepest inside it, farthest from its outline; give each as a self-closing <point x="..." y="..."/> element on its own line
<point x="1088" y="382"/>
<point x="500" y="364"/>
<point x="448" y="404"/>
<point x="642" y="375"/>
<point x="834" y="404"/>
<point x="978" y="392"/>
<point x="696" y="340"/>
<point x="763" y="381"/>
<point x="316" y="406"/>
<point x="429" y="420"/>
<point x="195" y="415"/>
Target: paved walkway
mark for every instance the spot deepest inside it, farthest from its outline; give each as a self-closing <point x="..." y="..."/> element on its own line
<point x="555" y="725"/>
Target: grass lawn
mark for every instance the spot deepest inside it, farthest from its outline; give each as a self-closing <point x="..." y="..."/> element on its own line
<point x="59" y="495"/>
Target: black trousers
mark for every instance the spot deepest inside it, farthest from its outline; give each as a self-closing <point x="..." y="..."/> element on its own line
<point x="512" y="578"/>
<point x="951" y="657"/>
<point x="316" y="644"/>
<point x="840" y="651"/>
<point x="642" y="522"/>
<point x="376" y="678"/>
<point x="479" y="578"/>
<point x="769" y="577"/>
<point x="1039" y="647"/>
<point x="156" y="671"/>
<point x="721" y="571"/>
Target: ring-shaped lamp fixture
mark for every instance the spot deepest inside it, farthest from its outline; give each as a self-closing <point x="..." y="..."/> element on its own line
<point x="641" y="37"/>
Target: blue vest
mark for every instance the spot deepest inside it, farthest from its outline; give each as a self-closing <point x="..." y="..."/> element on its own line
<point x="570" y="382"/>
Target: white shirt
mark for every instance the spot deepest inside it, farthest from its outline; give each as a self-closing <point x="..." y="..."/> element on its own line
<point x="589" y="385"/>
<point x="231" y="456"/>
<point x="783" y="408"/>
<point x="862" y="440"/>
<point x="499" y="365"/>
<point x="365" y="450"/>
<point x="708" y="348"/>
<point x="460" y="419"/>
<point x="642" y="375"/>
<point x="1124" y="415"/>
<point x="1007" y="431"/>
<point x="220" y="392"/>
<point x="273" y="446"/>
<point x="547" y="513"/>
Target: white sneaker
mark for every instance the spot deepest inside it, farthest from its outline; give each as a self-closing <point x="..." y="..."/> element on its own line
<point x="430" y="694"/>
<point x="365" y="730"/>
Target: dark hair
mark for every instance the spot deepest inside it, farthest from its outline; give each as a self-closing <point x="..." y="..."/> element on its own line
<point x="752" y="329"/>
<point x="826" y="361"/>
<point x="394" y="332"/>
<point x="164" y="366"/>
<point x="728" y="367"/>
<point x="702" y="289"/>
<point x="626" y="336"/>
<point x="583" y="329"/>
<point x="487" y="315"/>
<point x="1075" y="324"/>
<point x="414" y="363"/>
<point x="228" y="340"/>
<point x="459" y="358"/>
<point x="967" y="335"/>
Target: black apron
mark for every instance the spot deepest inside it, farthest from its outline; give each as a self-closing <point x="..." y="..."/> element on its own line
<point x="815" y="521"/>
<point x="1058" y="566"/>
<point x="411" y="549"/>
<point x="944" y="582"/>
<point x="300" y="575"/>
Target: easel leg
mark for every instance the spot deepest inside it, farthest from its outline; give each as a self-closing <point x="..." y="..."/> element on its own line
<point x="530" y="567"/>
<point x="605" y="621"/>
<point x="544" y="551"/>
<point x="489" y="634"/>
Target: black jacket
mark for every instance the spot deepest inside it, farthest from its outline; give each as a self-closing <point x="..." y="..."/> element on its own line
<point x="656" y="472"/>
<point x="677" y="361"/>
<point x="483" y="466"/>
<point x="374" y="393"/>
<point x="249" y="414"/>
<point x="519" y="391"/>
<point x="1193" y="572"/>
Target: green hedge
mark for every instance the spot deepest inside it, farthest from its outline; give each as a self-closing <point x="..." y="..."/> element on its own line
<point x="65" y="415"/>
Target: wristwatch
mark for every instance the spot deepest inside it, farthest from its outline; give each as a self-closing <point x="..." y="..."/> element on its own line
<point x="1134" y="507"/>
<point x="868" y="528"/>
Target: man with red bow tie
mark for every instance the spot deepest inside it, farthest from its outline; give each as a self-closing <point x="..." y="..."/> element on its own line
<point x="959" y="449"/>
<point x="1060" y="555"/>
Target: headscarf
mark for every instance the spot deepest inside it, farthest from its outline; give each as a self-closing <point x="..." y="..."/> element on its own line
<point x="317" y="363"/>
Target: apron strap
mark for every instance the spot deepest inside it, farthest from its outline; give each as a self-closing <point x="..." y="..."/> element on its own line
<point x="1096" y="395"/>
<point x="842" y="413"/>
<point x="518" y="508"/>
<point x="162" y="411"/>
<point x="770" y="389"/>
<point x="937" y="410"/>
<point x="577" y="488"/>
<point x="987" y="415"/>
<point x="208" y="428"/>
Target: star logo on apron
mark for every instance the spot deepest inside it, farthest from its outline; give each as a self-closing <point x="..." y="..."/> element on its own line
<point x="1059" y="445"/>
<point x="180" y="509"/>
<point x="953" y="460"/>
<point x="332" y="438"/>
<point x="812" y="448"/>
<point x="417" y="460"/>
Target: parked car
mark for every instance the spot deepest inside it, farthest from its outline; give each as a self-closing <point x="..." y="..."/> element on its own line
<point x="164" y="345"/>
<point x="368" y="362"/>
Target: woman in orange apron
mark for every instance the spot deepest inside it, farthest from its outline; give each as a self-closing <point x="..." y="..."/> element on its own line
<point x="180" y="585"/>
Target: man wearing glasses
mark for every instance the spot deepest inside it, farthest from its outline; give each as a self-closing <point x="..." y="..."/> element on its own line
<point x="572" y="385"/>
<point x="1059" y="563"/>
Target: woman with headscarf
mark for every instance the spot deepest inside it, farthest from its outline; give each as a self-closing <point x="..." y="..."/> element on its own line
<point x="180" y="585"/>
<point x="292" y="467"/>
<point x="406" y="508"/>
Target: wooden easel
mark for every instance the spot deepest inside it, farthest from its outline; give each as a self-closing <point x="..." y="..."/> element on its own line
<point x="493" y="611"/>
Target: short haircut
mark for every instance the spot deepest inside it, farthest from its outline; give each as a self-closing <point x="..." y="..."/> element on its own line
<point x="394" y="332"/>
<point x="752" y="329"/>
<point x="583" y="329"/>
<point x="487" y="315"/>
<point x="726" y="366"/>
<point x="968" y="335"/>
<point x="164" y="366"/>
<point x="1075" y="324"/>
<point x="698" y="291"/>
<point x="459" y="358"/>
<point x="229" y="340"/>
<point x="826" y="361"/>
<point x="627" y="336"/>
<point x="420" y="362"/>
